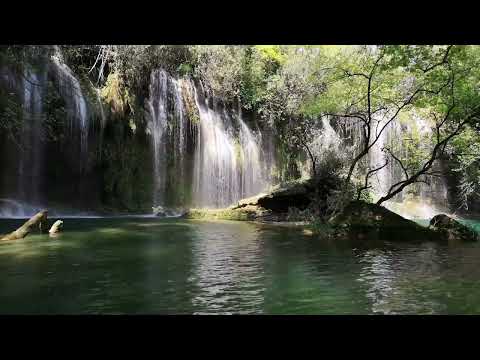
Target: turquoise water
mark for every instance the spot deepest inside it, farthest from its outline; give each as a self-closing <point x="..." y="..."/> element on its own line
<point x="152" y="266"/>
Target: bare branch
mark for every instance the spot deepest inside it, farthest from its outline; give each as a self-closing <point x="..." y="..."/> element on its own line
<point x="398" y="161"/>
<point x="353" y="115"/>
<point x="438" y="149"/>
<point x="349" y="74"/>
<point x="443" y="62"/>
<point x="366" y="186"/>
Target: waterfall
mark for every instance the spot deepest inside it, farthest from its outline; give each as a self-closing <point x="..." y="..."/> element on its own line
<point x="32" y="145"/>
<point x="76" y="105"/>
<point x="25" y="178"/>
<point x="25" y="188"/>
<point x="253" y="180"/>
<point x="229" y="164"/>
<point x="11" y="208"/>
<point x="157" y="127"/>
<point x="420" y="200"/>
<point x="325" y="141"/>
<point x="217" y="157"/>
<point x="169" y="129"/>
<point x="384" y="178"/>
<point x="216" y="179"/>
<point x="417" y="201"/>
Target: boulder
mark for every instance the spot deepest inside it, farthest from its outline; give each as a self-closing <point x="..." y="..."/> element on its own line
<point x="451" y="229"/>
<point x="364" y="220"/>
<point x="295" y="194"/>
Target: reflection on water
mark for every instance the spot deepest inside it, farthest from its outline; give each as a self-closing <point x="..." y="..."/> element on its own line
<point x="391" y="280"/>
<point x="228" y="269"/>
<point x="196" y="267"/>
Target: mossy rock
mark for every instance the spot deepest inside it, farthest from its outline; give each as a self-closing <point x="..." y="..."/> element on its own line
<point x="297" y="194"/>
<point x="245" y="213"/>
<point x="451" y="229"/>
<point x="364" y="220"/>
<point x="265" y="207"/>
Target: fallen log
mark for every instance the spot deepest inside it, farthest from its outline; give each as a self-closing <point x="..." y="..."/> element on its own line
<point x="39" y="219"/>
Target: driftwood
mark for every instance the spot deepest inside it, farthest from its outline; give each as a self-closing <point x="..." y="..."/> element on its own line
<point x="39" y="219"/>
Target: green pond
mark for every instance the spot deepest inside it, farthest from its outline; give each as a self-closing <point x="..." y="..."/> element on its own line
<point x="152" y="266"/>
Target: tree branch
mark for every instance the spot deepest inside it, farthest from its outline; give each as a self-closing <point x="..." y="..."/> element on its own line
<point x="398" y="161"/>
<point x="444" y="60"/>
<point x="366" y="186"/>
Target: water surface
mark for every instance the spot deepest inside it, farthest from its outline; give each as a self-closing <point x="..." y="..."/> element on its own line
<point x="152" y="266"/>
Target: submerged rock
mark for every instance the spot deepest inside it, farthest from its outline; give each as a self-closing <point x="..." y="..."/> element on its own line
<point x="451" y="229"/>
<point x="56" y="227"/>
<point x="164" y="212"/>
<point x="364" y="220"/>
<point x="159" y="211"/>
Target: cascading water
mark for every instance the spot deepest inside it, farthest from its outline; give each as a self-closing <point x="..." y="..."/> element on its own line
<point x="31" y="157"/>
<point x="384" y="178"/>
<point x="215" y="157"/>
<point x="327" y="140"/>
<point x="425" y="199"/>
<point x="227" y="167"/>
<point x="170" y="130"/>
<point x="32" y="87"/>
<point x="422" y="200"/>
<point x="76" y="105"/>
<point x="158" y="126"/>
<point x="216" y="179"/>
<point x="26" y="174"/>
<point x="253" y="178"/>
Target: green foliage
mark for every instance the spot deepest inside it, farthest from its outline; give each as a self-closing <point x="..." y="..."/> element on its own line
<point x="80" y="58"/>
<point x="126" y="173"/>
<point x="464" y="152"/>
<point x="366" y="196"/>
<point x="117" y="95"/>
<point x="295" y="214"/>
<point x="291" y="88"/>
<point x="185" y="69"/>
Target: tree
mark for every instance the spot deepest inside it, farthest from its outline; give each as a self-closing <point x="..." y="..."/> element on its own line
<point x="452" y="104"/>
<point x="376" y="86"/>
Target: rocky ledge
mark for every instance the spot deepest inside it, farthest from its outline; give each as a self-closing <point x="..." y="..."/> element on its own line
<point x="450" y="229"/>
<point x="365" y="220"/>
<point x="358" y="220"/>
<point x="361" y="220"/>
<point x="273" y="206"/>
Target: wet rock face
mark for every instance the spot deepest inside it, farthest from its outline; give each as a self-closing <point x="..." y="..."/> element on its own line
<point x="451" y="229"/>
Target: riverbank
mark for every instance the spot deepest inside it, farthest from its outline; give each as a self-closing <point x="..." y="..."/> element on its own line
<point x="294" y="204"/>
<point x="300" y="204"/>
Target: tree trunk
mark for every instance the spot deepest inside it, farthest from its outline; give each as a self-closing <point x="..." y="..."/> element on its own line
<point x="39" y="219"/>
